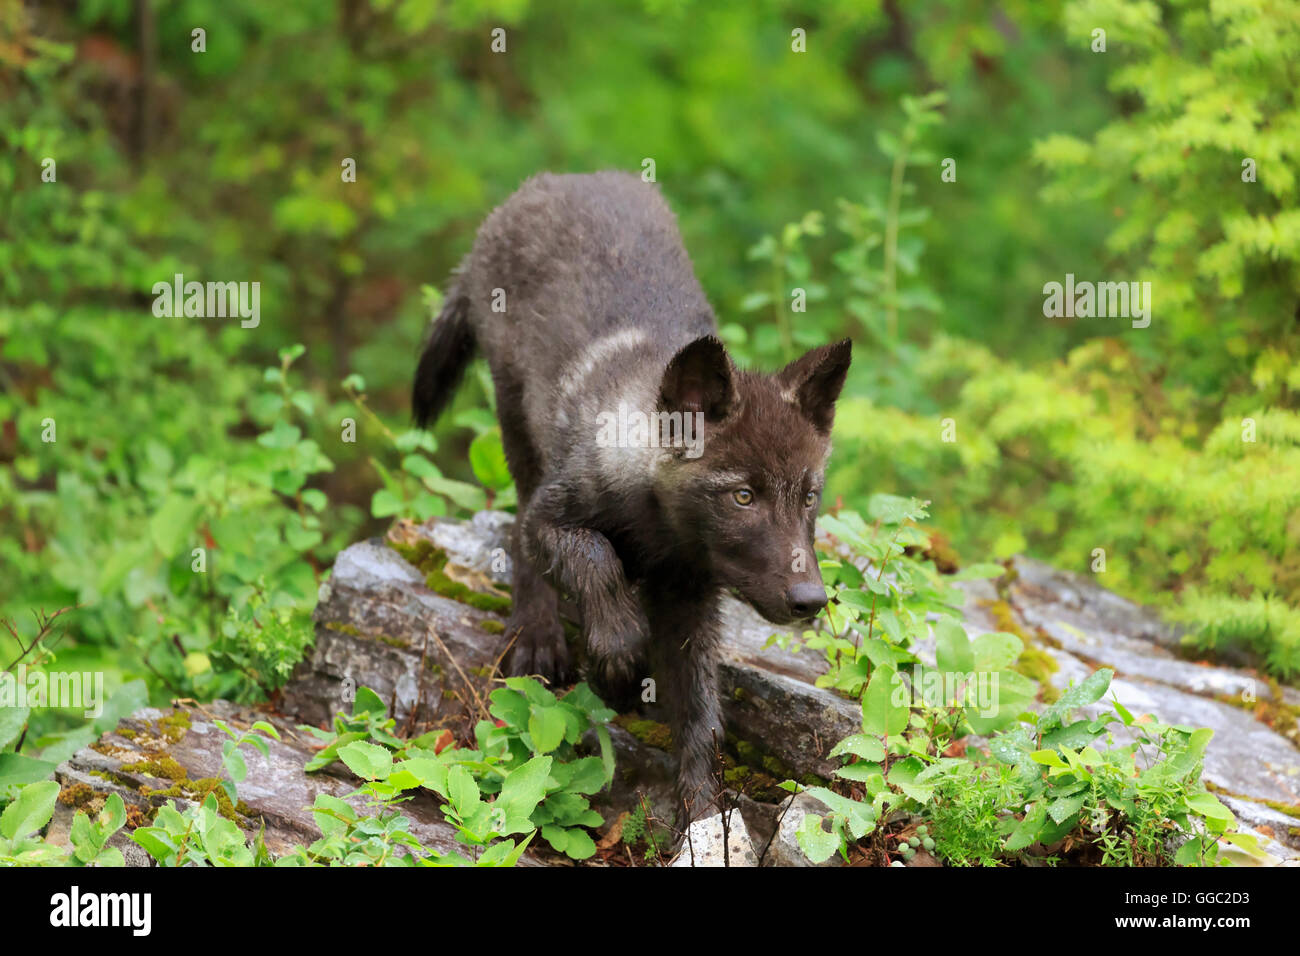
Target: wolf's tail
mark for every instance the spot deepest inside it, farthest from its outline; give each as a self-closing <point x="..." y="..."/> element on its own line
<point x="443" y="362"/>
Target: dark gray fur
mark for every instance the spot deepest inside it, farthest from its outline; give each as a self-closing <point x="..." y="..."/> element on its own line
<point x="602" y="307"/>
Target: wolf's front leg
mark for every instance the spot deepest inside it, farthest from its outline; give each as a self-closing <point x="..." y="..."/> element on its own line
<point x="581" y="562"/>
<point x="534" y="634"/>
<point x="684" y="629"/>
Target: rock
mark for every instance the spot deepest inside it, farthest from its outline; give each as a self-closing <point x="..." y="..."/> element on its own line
<point x="704" y="843"/>
<point x="1082" y="626"/>
<point x="784" y="849"/>
<point x="152" y="747"/>
<point x="1086" y="620"/>
<point x="1282" y="827"/>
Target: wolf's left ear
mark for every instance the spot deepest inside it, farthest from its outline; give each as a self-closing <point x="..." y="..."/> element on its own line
<point x="700" y="378"/>
<point x="812" y="383"/>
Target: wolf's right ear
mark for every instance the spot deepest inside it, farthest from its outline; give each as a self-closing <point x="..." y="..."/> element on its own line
<point x="812" y="383"/>
<point x="700" y="378"/>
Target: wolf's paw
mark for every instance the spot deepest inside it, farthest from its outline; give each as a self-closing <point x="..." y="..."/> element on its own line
<point x="616" y="645"/>
<point x="539" y="650"/>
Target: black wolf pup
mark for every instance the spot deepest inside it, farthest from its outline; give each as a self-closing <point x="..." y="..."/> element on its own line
<point x="653" y="475"/>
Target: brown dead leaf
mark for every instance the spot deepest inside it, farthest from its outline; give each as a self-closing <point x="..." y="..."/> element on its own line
<point x="615" y="833"/>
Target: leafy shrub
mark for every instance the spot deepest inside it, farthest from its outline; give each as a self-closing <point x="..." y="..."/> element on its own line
<point x="1044" y="786"/>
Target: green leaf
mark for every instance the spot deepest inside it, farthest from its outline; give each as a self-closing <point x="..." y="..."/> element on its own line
<point x="12" y="722"/>
<point x="860" y="745"/>
<point x="579" y="845"/>
<point x="326" y="812"/>
<point x="902" y="775"/>
<point x="996" y="651"/>
<point x="882" y="714"/>
<point x="606" y="752"/>
<point x="462" y="791"/>
<point x="173" y="523"/>
<point x="817" y="844"/>
<point x="1026" y="832"/>
<point x="1062" y="808"/>
<point x="366" y="760"/>
<point x="18" y="769"/>
<point x="588" y="775"/>
<point x="524" y="787"/>
<point x="30" y="811"/>
<point x="1208" y="805"/>
<point x="976" y="572"/>
<point x="953" y="652"/>
<point x="546" y="726"/>
<point x="487" y="457"/>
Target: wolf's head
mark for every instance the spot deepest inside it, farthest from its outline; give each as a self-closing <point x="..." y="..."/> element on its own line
<point x="745" y="490"/>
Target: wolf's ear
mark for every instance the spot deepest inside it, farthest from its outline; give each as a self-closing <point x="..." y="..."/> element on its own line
<point x="700" y="378"/>
<point x="813" y="382"/>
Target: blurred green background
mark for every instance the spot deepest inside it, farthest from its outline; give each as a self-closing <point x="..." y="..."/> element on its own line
<point x="188" y="481"/>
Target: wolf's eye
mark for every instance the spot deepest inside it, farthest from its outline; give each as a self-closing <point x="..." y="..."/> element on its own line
<point x="743" y="497"/>
<point x="810" y="499"/>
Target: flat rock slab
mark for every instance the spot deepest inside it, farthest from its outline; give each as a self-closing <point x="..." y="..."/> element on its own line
<point x="277" y="792"/>
<point x="1087" y="626"/>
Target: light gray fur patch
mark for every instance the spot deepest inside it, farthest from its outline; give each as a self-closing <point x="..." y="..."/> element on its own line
<point x="601" y="350"/>
<point x="627" y="465"/>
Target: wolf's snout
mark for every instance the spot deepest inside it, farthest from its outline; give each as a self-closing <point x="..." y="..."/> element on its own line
<point x="805" y="599"/>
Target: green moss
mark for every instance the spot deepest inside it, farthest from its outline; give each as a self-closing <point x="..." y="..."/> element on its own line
<point x="353" y="631"/>
<point x="431" y="561"/>
<point x="198" y="790"/>
<point x="1290" y="809"/>
<point x="747" y="752"/>
<point x="127" y="732"/>
<point x="491" y="626"/>
<point x="76" y="795"/>
<point x="759" y="774"/>
<point x="438" y="582"/>
<point x="423" y="555"/>
<point x="649" y="732"/>
<point x="164" y="768"/>
<point x="736" y="777"/>
<point x="174" y="726"/>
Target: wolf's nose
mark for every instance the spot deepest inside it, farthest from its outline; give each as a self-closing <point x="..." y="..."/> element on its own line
<point x="806" y="598"/>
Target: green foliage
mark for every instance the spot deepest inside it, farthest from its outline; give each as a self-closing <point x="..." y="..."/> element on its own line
<point x="32" y="809"/>
<point x="1138" y="804"/>
<point x="1077" y="457"/>
<point x="526" y="762"/>
<point x="1213" y="92"/>
<point x="1044" y="787"/>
